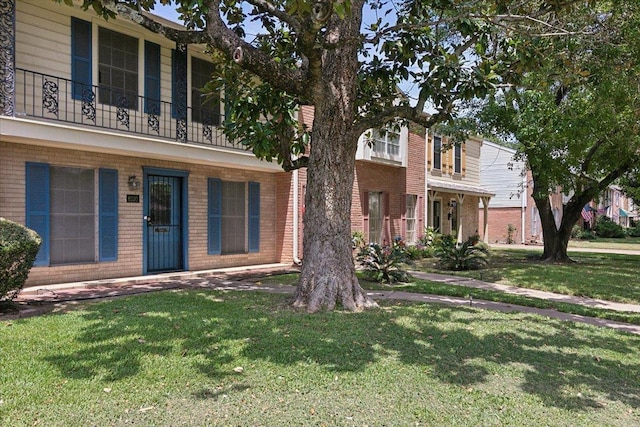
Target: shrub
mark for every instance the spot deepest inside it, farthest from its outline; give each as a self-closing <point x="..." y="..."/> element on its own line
<point x="511" y="230"/>
<point x="418" y="251"/>
<point x="605" y="227"/>
<point x="430" y="235"/>
<point x="383" y="264"/>
<point x="357" y="240"/>
<point x="633" y="231"/>
<point x="18" y="249"/>
<point x="579" y="233"/>
<point x="461" y="256"/>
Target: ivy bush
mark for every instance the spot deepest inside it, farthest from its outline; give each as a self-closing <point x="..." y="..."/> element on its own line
<point x="384" y="263"/>
<point x="18" y="249"/>
<point x="460" y="256"/>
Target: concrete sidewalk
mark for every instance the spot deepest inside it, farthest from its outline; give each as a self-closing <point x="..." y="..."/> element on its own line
<point x="42" y="299"/>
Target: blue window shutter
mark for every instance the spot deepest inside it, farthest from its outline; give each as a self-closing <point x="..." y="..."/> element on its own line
<point x="214" y="245"/>
<point x="108" y="215"/>
<point x="37" y="206"/>
<point x="254" y="217"/>
<point x="152" y="78"/>
<point x="81" y="70"/>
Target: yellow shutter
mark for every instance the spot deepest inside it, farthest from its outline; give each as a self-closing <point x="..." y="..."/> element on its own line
<point x="464" y="159"/>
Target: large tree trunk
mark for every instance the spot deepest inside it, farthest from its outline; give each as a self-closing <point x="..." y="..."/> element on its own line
<point x="556" y="239"/>
<point x="328" y="273"/>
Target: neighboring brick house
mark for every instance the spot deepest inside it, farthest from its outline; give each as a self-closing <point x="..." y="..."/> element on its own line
<point x="614" y="204"/>
<point x="402" y="184"/>
<point x="454" y="186"/>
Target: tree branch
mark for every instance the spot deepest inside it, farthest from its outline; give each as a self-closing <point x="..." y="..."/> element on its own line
<point x="412" y="114"/>
<point x="271" y="9"/>
<point x="248" y="57"/>
<point x="142" y="19"/>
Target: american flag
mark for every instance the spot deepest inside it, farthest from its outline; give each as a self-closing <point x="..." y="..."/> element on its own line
<point x="587" y="215"/>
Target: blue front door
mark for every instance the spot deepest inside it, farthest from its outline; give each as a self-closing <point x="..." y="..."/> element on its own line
<point x="164" y="223"/>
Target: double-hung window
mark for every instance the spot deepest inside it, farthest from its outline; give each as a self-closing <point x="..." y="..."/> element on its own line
<point x="375" y="217"/>
<point x="117" y="69"/>
<point x="65" y="205"/>
<point x="386" y="142"/>
<point x="457" y="160"/>
<point x="233" y="217"/>
<point x="118" y="63"/>
<point x="205" y="106"/>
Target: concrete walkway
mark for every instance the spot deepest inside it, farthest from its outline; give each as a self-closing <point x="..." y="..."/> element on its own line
<point x="42" y="299"/>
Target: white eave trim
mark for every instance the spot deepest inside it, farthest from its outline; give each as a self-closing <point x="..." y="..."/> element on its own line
<point x="449" y="187"/>
<point x="73" y="137"/>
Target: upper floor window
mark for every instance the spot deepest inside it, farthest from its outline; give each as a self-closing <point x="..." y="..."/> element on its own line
<point x="118" y="63"/>
<point x="457" y="154"/>
<point x="386" y="142"/>
<point x="205" y="106"/>
<point x="437" y="152"/>
<point x="117" y="68"/>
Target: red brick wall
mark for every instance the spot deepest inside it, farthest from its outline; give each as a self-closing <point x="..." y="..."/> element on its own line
<point x="499" y="219"/>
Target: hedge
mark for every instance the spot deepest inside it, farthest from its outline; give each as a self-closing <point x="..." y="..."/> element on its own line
<point x="19" y="246"/>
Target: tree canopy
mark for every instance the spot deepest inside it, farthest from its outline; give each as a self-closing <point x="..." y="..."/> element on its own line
<point x="348" y="59"/>
<point x="574" y="112"/>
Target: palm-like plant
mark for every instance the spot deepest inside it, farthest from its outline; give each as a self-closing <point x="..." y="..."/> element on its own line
<point x="460" y="256"/>
<point x="383" y="263"/>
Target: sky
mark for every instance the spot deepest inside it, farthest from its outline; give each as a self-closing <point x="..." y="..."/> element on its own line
<point x="168" y="12"/>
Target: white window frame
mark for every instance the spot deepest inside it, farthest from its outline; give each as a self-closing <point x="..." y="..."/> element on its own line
<point x="411" y="205"/>
<point x="376" y="217"/>
<point x="386" y="142"/>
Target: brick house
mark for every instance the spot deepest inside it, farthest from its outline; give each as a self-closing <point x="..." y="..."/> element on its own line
<point x="403" y="183"/>
<point x="109" y="152"/>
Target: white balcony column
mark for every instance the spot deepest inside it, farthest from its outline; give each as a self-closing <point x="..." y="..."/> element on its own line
<point x="460" y="197"/>
<point x="485" y="219"/>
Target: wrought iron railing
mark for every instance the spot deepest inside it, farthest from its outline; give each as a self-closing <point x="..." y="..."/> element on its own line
<point x="49" y="97"/>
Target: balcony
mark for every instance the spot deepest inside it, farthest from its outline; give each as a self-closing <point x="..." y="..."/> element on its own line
<point x="50" y="98"/>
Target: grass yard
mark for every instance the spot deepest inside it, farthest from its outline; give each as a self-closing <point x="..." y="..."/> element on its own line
<point x="628" y="243"/>
<point x="175" y="358"/>
<point x="612" y="277"/>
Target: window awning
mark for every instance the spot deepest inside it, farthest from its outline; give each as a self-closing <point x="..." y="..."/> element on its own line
<point x="622" y="212"/>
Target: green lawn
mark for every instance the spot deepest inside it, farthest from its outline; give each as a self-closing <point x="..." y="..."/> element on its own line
<point x="174" y="358"/>
<point x="612" y="277"/>
<point x="628" y="243"/>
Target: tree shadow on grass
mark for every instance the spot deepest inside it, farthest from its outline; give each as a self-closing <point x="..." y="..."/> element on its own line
<point x="460" y="346"/>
